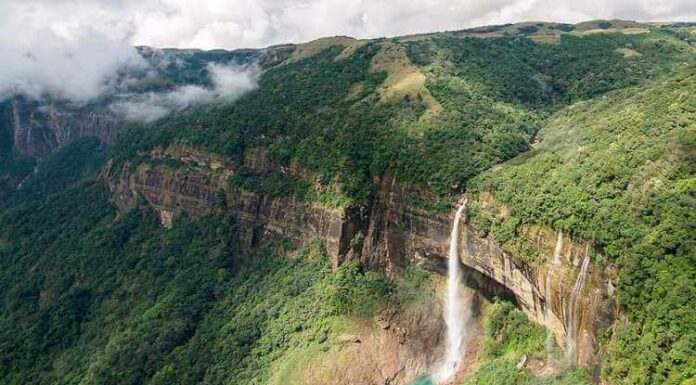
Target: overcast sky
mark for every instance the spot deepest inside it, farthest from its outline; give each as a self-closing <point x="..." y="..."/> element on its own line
<point x="73" y="45"/>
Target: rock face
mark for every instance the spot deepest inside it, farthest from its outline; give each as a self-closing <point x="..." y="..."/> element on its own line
<point x="39" y="130"/>
<point x="572" y="299"/>
<point x="205" y="188"/>
<point x="400" y="348"/>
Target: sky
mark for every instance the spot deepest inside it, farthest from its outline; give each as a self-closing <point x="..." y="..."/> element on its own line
<point x="74" y="47"/>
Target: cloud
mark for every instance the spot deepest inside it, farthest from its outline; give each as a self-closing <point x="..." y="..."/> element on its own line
<point x="75" y="48"/>
<point x="61" y="49"/>
<point x="258" y="23"/>
<point x="229" y="82"/>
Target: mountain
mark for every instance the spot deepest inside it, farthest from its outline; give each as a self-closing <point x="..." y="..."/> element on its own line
<point x="299" y="234"/>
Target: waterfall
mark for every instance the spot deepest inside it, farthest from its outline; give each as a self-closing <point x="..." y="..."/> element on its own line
<point x="572" y="321"/>
<point x="558" y="248"/>
<point x="548" y="313"/>
<point x="455" y="309"/>
<point x="548" y="306"/>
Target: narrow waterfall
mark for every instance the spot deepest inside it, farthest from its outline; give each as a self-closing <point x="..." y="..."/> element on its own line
<point x="557" y="250"/>
<point x="572" y="321"/>
<point x="548" y="314"/>
<point x="548" y="305"/>
<point x="455" y="308"/>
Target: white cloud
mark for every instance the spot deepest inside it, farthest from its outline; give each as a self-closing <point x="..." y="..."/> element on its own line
<point x="73" y="48"/>
<point x="258" y="23"/>
<point x="229" y="83"/>
<point x="70" y="49"/>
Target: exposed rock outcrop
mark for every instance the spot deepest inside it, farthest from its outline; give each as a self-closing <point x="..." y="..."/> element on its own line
<point x="199" y="190"/>
<point x="38" y="129"/>
<point x="579" y="301"/>
<point x="573" y="301"/>
<point x="398" y="350"/>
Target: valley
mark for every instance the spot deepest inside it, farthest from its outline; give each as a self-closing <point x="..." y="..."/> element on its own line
<point x="509" y="204"/>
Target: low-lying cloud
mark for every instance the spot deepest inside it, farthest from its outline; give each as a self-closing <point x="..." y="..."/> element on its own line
<point x="76" y="49"/>
<point x="65" y="54"/>
<point x="229" y="82"/>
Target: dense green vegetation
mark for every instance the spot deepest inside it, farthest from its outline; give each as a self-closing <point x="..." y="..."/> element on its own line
<point x="620" y="172"/>
<point x="300" y="110"/>
<point x="94" y="300"/>
<point x="324" y="112"/>
<point x="498" y="92"/>
<point x="517" y="70"/>
<point x="509" y="337"/>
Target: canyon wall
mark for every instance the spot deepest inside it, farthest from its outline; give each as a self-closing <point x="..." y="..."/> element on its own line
<point x="39" y="129"/>
<point x="572" y="299"/>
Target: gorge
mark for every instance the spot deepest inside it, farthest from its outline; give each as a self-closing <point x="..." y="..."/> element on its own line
<point x="503" y="204"/>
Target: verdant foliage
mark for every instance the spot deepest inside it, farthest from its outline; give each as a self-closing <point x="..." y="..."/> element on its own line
<point x="620" y="172"/>
<point x="606" y="124"/>
<point x="77" y="161"/>
<point x="274" y="185"/>
<point x="509" y="336"/>
<point x="91" y="299"/>
<point x="517" y="70"/>
<point x="509" y="332"/>
<point x="325" y="111"/>
<point x="302" y="110"/>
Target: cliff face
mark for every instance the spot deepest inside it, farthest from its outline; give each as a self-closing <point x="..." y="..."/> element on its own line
<point x="38" y="130"/>
<point x="564" y="292"/>
<point x="571" y="297"/>
<point x="205" y="187"/>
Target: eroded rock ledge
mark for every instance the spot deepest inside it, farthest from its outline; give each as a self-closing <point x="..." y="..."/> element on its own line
<point x="572" y="300"/>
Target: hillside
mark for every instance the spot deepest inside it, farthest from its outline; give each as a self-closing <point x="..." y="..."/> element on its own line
<point x="299" y="234"/>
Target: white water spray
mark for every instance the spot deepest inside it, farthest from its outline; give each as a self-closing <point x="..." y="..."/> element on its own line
<point x="557" y="250"/>
<point x="547" y="292"/>
<point x="572" y="321"/>
<point x="455" y="308"/>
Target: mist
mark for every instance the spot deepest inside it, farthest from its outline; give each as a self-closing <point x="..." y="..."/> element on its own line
<point x="229" y="82"/>
<point x="67" y="57"/>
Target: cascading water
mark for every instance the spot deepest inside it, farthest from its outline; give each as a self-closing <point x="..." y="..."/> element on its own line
<point x="557" y="250"/>
<point x="455" y="308"/>
<point x="572" y="321"/>
<point x="548" y="305"/>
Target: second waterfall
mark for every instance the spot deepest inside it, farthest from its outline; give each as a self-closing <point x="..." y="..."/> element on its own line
<point x="455" y="308"/>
